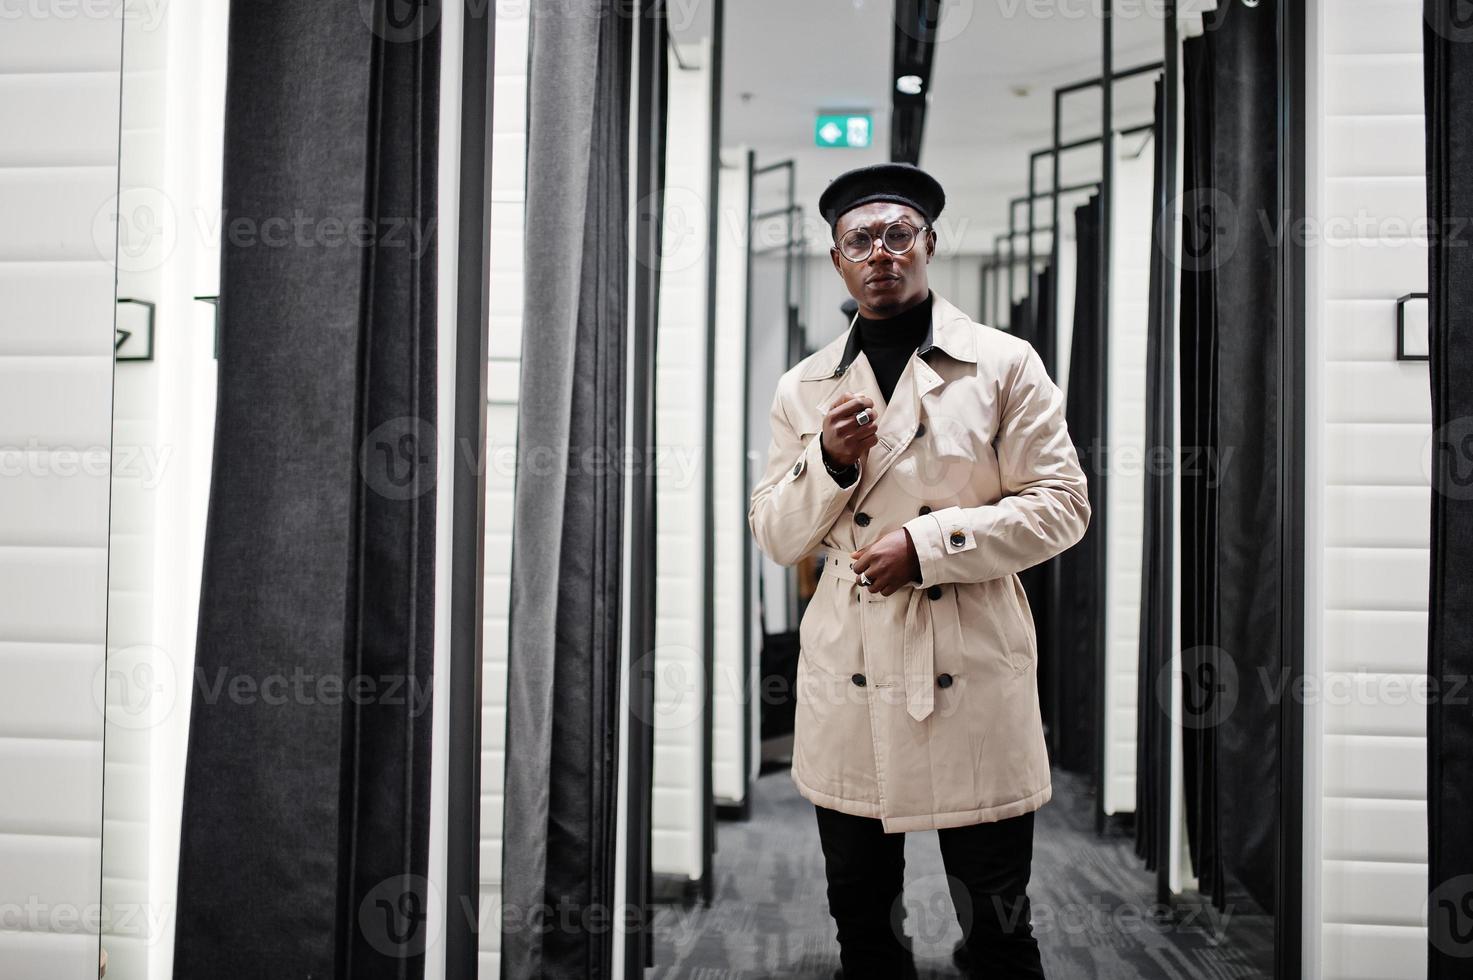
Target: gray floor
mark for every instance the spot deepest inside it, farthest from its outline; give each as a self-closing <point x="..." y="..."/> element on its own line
<point x="1091" y="905"/>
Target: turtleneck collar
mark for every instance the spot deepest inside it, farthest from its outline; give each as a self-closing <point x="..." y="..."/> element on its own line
<point x="904" y="330"/>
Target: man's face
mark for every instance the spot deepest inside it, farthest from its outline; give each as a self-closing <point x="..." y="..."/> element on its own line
<point x="884" y="284"/>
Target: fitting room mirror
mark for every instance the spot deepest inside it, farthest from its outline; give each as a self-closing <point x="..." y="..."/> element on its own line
<point x="169" y="228"/>
<point x="1145" y="861"/>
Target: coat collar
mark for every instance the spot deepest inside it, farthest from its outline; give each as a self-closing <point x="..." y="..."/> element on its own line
<point x="950" y="331"/>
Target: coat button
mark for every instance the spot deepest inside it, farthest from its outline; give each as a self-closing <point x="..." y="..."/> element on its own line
<point x="958" y="539"/>
<point x="862" y="519"/>
<point x="798" y="467"/>
<point x="934" y="592"/>
<point x="858" y="680"/>
<point x="943" y="680"/>
<point x="920" y="430"/>
<point x="925" y="509"/>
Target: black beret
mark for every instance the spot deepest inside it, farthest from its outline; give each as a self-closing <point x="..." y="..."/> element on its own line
<point x="901" y="183"/>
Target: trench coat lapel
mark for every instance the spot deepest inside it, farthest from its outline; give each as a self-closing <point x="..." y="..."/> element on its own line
<point x="898" y="421"/>
<point x="831" y="376"/>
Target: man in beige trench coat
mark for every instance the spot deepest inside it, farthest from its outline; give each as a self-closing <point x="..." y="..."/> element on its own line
<point x="925" y="458"/>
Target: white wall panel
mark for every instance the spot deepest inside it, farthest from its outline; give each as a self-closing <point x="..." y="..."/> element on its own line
<point x="1369" y="502"/>
<point x="729" y="496"/>
<point x="678" y="829"/>
<point x="1125" y="502"/>
<point x="59" y="85"/>
<point x="504" y="347"/>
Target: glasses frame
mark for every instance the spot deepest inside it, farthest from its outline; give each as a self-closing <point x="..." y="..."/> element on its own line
<point x="881" y="239"/>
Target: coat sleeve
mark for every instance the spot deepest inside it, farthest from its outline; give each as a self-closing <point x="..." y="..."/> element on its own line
<point x="796" y="501"/>
<point x="1044" y="508"/>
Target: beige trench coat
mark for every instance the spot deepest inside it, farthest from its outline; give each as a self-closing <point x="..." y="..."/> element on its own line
<point x="921" y="708"/>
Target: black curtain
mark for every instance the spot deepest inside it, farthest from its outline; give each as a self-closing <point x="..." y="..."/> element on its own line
<point x="306" y="802"/>
<point x="1448" y="68"/>
<point x="1035" y="325"/>
<point x="1080" y="597"/>
<point x="1153" y="719"/>
<point x="1233" y="654"/>
<point x="566" y="571"/>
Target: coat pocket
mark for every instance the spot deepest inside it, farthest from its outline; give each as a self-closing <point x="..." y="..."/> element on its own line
<point x="1023" y="642"/>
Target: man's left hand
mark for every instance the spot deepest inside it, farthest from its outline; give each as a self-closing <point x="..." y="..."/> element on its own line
<point x="890" y="563"/>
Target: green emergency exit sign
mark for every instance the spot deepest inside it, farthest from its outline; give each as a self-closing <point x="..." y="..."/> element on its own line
<point x="842" y="129"/>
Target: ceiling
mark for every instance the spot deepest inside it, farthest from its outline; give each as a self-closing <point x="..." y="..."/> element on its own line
<point x="997" y="63"/>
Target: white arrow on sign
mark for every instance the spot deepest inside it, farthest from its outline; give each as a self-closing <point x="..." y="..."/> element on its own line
<point x="830" y="132"/>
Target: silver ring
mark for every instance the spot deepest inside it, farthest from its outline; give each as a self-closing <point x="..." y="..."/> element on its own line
<point x="864" y="417"/>
<point x="864" y="580"/>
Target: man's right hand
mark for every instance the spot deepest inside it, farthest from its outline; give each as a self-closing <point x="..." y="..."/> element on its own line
<point x="843" y="438"/>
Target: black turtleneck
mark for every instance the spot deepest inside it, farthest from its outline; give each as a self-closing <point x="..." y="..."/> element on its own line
<point x="888" y="344"/>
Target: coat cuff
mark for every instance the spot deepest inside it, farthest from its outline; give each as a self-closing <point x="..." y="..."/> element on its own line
<point x="812" y="459"/>
<point x="937" y="536"/>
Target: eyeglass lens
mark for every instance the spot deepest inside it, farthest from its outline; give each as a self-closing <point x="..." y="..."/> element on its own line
<point x="897" y="239"/>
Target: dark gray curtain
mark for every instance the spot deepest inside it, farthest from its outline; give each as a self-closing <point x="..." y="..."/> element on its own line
<point x="562" y="724"/>
<point x="1081" y="594"/>
<point x="1035" y="324"/>
<point x="1233" y="656"/>
<point x="306" y="803"/>
<point x="1153" y="722"/>
<point x="1448" y="67"/>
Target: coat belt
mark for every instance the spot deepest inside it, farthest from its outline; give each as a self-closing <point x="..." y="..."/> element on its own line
<point x="919" y="653"/>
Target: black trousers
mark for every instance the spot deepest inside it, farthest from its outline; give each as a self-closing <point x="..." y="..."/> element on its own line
<point x="987" y="868"/>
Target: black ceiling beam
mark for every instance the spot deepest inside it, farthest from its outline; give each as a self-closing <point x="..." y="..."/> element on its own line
<point x="913" y="53"/>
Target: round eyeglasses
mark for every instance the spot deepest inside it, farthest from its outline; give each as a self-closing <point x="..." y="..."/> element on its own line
<point x="898" y="238"/>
